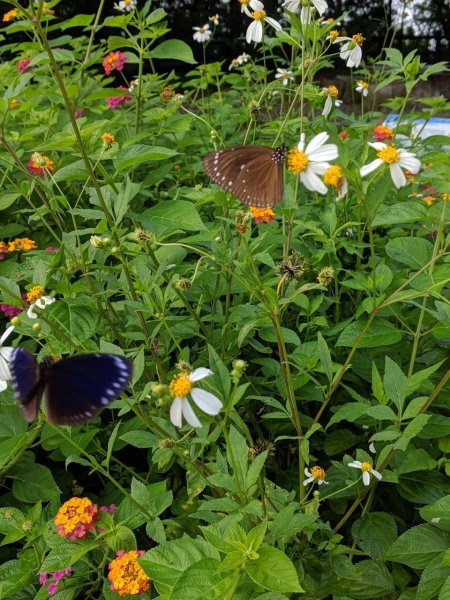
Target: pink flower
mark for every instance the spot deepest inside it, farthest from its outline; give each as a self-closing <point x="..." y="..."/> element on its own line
<point x="23" y="67"/>
<point x="114" y="62"/>
<point x="43" y="578"/>
<point x="52" y="588"/>
<point x="115" y="101"/>
<point x="58" y="575"/>
<point x="109" y="509"/>
<point x="79" y="113"/>
<point x="51" y="249"/>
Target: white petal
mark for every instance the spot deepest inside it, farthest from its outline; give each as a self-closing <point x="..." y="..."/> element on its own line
<point x="319" y="168"/>
<point x="305" y="15"/>
<point x="366" y="169"/>
<point x="292" y="5"/>
<point x="30" y="312"/>
<point x="324" y="153"/>
<point x="409" y="161"/>
<point x="377" y="145"/>
<point x="175" y="412"/>
<point x="301" y="144"/>
<point x="308" y="480"/>
<point x="307" y="473"/>
<point x="366" y="477"/>
<point x="254" y="32"/>
<point x="377" y="474"/>
<point x="274" y="23"/>
<point x="355" y="57"/>
<point x="5" y="373"/>
<point x="356" y="464"/>
<point x="200" y="373"/>
<point x="6" y="335"/>
<point x="397" y="175"/>
<point x="189" y="414"/>
<point x="206" y="401"/>
<point x="317" y="141"/>
<point x="3" y="385"/>
<point x="328" y="106"/>
<point x="312" y="182"/>
<point x="321" y="6"/>
<point x="256" y="5"/>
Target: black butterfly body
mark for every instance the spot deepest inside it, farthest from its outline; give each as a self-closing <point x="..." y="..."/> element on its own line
<point x="254" y="174"/>
<point x="76" y="388"/>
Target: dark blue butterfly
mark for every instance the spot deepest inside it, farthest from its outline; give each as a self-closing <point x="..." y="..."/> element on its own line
<point x="76" y="388"/>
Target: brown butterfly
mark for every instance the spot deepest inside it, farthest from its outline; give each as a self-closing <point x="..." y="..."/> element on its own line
<point x="254" y="174"/>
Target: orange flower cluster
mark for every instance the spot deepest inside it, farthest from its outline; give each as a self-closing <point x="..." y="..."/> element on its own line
<point x="126" y="574"/>
<point x="76" y="518"/>
<point x="10" y="15"/>
<point x="20" y="245"/>
<point x="262" y="215"/>
<point x="108" y="139"/>
<point x="114" y="62"/>
<point x="383" y="132"/>
<point x="40" y="165"/>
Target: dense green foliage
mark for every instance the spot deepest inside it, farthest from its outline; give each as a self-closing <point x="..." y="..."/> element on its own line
<point x="326" y="327"/>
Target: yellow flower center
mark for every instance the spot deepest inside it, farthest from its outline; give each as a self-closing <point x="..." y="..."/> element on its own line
<point x="389" y="155"/>
<point x="445" y="197"/>
<point x="244" y="2"/>
<point x="428" y="200"/>
<point x="333" y="176"/>
<point x="363" y="84"/>
<point x="201" y="29"/>
<point x="358" y="39"/>
<point x="365" y="466"/>
<point x="36" y="292"/>
<point x="333" y="91"/>
<point x="181" y="385"/>
<point x="333" y="34"/>
<point x="259" y="15"/>
<point x="297" y="161"/>
<point x="318" y="473"/>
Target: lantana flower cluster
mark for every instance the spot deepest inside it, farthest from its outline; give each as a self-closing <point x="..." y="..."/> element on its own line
<point x="77" y="518"/>
<point x="126" y="574"/>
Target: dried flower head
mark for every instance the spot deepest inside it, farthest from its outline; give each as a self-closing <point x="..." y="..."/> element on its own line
<point x="108" y="139"/>
<point x="183" y="284"/>
<point x="292" y="267"/>
<point x="325" y="277"/>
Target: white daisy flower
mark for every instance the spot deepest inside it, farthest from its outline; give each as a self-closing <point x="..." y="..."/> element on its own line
<point x="41" y="303"/>
<point x="182" y="385"/>
<point x="214" y="19"/>
<point x="126" y="5"/>
<point x="5" y="355"/>
<point x="351" y="49"/>
<point x="362" y="87"/>
<point x="285" y="75"/>
<point x="317" y="475"/>
<point x="367" y="470"/>
<point x="133" y="84"/>
<point x="243" y="58"/>
<point x="202" y="34"/>
<point x="312" y="161"/>
<point x="254" y="5"/>
<point x="255" y="29"/>
<point x="306" y="9"/>
<point x="331" y="93"/>
<point x="396" y="159"/>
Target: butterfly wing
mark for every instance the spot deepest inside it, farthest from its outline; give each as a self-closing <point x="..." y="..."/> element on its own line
<point x="26" y="381"/>
<point x="79" y="387"/>
<point x="254" y="174"/>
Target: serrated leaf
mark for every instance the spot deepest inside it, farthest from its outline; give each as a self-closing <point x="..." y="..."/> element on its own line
<point x="66" y="554"/>
<point x="173" y="50"/>
<point x="419" y="546"/>
<point x="374" y="533"/>
<point x="324" y="356"/>
<point x="80" y="320"/>
<point x="395" y="383"/>
<point x="380" y="333"/>
<point x="413" y="252"/>
<point x="132" y="156"/>
<point x="176" y="215"/>
<point x="34" y="482"/>
<point x="402" y="212"/>
<point x="274" y="571"/>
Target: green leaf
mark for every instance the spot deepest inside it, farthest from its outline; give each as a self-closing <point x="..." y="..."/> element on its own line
<point x="414" y="459"/>
<point x="33" y="482"/>
<point x="414" y="252"/>
<point x="431" y="581"/>
<point x="77" y="21"/>
<point x="423" y="487"/>
<point x="374" y="533"/>
<point x="348" y="412"/>
<point x="381" y="413"/>
<point x="255" y="469"/>
<point x="419" y="546"/>
<point x="380" y="333"/>
<point x="373" y="581"/>
<point x="395" y="383"/>
<point x="173" y="50"/>
<point x="173" y="216"/>
<point x="237" y="456"/>
<point x="324" y="356"/>
<point x="274" y="571"/>
<point x="132" y="156"/>
<point x="76" y="319"/>
<point x="8" y="199"/>
<point x="140" y="439"/>
<point x="122" y="538"/>
<point x="287" y="523"/>
<point x="402" y="212"/>
<point x="66" y="554"/>
<point x="438" y="513"/>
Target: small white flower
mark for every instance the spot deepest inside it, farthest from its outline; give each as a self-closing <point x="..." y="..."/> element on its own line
<point x="285" y="75"/>
<point x="351" y="49"/>
<point x="41" y="303"/>
<point x="214" y="19"/>
<point x="254" y="5"/>
<point x="202" y="34"/>
<point x="396" y="159"/>
<point x="5" y="355"/>
<point x="126" y="5"/>
<point x="133" y="84"/>
<point x="182" y="385"/>
<point x="312" y="161"/>
<point x="317" y="475"/>
<point x="362" y="87"/>
<point x="331" y="93"/>
<point x="306" y="9"/>
<point x="255" y="29"/>
<point x="243" y="58"/>
<point x="367" y="470"/>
